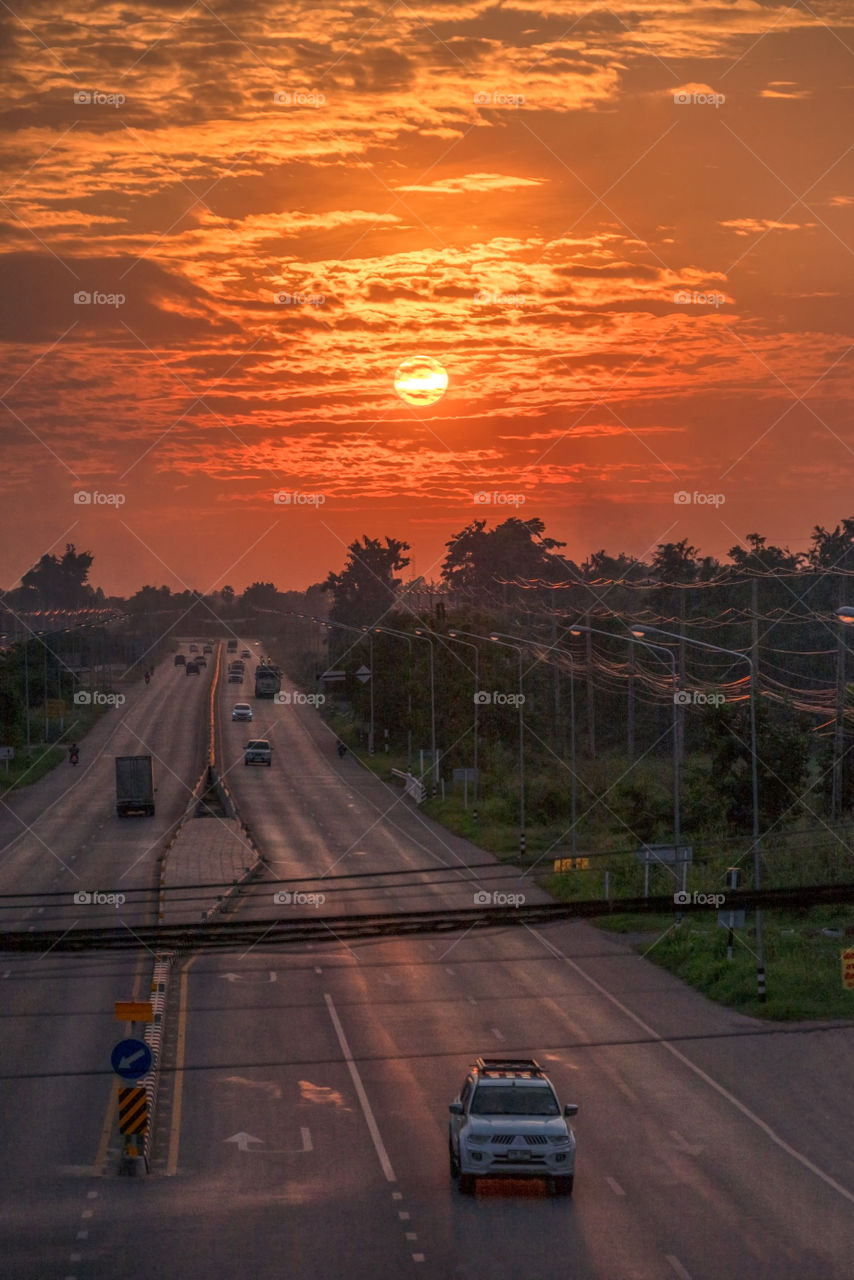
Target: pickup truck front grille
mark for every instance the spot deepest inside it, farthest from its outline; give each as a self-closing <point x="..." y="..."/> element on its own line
<point x="532" y="1139"/>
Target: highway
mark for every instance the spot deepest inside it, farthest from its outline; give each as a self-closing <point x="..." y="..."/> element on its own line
<point x="302" y="1128"/>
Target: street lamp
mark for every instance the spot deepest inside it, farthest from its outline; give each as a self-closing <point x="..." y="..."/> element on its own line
<point x="495" y="639"/>
<point x="455" y="635"/>
<point x="553" y="648"/>
<point x="844" y="614"/>
<point x="754" y="773"/>
<point x="656" y="648"/>
<point x="419" y="631"/>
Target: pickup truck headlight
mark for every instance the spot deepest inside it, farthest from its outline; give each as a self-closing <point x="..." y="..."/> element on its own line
<point x="477" y="1139"/>
<point x="561" y="1140"/>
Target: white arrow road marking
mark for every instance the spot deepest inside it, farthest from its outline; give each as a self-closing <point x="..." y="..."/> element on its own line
<point x="683" y="1145"/>
<point x="239" y="977"/>
<point x="242" y="1141"/>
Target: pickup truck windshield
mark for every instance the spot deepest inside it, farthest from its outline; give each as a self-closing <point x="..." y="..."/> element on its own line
<point x="515" y="1100"/>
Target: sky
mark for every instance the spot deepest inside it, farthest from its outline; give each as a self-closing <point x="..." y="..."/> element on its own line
<point x="624" y="232"/>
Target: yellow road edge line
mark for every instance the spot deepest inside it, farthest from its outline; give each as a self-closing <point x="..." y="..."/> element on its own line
<point x="178" y="1087"/>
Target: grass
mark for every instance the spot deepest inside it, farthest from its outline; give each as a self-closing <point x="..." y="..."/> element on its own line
<point x="28" y="766"/>
<point x="803" y="971"/>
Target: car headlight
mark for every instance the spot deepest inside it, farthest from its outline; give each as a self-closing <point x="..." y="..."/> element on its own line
<point x="561" y="1140"/>
<point x="477" y="1139"/>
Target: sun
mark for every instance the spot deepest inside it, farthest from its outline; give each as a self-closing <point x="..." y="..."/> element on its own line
<point x="420" y="380"/>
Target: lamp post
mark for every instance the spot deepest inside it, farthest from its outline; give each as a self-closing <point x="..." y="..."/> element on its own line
<point x="419" y="631"/>
<point x="494" y="638"/>
<point x="844" y="614"/>
<point x="455" y="635"/>
<point x="656" y="648"/>
<point x="754" y="778"/>
<point x="567" y="653"/>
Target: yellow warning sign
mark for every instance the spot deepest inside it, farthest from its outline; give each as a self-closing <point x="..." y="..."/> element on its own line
<point x="571" y="864"/>
<point x="133" y="1111"/>
<point x="134" y="1011"/>
<point x="848" y="968"/>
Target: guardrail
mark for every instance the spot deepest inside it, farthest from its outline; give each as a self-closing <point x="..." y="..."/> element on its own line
<point x="411" y="785"/>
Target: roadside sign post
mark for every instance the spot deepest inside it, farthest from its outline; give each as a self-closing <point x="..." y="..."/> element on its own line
<point x="7" y="754"/>
<point x="131" y="1059"/>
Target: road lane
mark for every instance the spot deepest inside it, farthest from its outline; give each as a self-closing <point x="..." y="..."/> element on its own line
<point x="56" y="1009"/>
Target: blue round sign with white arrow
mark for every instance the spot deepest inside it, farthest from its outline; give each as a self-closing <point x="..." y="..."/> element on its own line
<point x="131" y="1059"/>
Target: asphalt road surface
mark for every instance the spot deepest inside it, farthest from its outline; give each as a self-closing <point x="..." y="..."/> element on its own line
<point x="303" y="1124"/>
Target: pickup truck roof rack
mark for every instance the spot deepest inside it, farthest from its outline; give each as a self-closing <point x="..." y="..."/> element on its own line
<point x="509" y="1067"/>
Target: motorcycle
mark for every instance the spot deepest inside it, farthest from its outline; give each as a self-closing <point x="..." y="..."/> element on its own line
<point x="147" y="678"/>
<point x="73" y="757"/>
<point x="342" y="749"/>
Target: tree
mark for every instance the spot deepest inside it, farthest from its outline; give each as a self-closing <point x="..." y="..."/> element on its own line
<point x="60" y="583"/>
<point x="367" y="586"/>
<point x="782" y="749"/>
<point x="261" y="595"/>
<point x="481" y="563"/>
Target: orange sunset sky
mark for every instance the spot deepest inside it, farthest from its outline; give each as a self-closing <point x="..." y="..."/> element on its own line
<point x="624" y="231"/>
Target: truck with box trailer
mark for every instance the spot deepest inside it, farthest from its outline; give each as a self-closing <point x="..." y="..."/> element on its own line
<point x="134" y="786"/>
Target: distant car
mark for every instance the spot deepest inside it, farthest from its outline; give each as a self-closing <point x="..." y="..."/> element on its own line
<point x="180" y="660"/>
<point x="200" y="660"/>
<point x="235" y="677"/>
<point x="241" y="711"/>
<point x="192" y="669"/>
<point x="507" y="1123"/>
<point x="258" y="751"/>
<point x="246" y="654"/>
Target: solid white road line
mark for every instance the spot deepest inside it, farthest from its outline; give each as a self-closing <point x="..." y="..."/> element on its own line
<point x="373" y="1129"/>
<point x="698" y="1071"/>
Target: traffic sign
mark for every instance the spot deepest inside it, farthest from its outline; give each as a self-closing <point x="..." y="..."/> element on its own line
<point x="847" y="957"/>
<point x="131" y="1059"/>
<point x="363" y="674"/>
<point x="7" y="753"/>
<point x="665" y="853"/>
<point x="732" y="919"/>
<point x="133" y="1110"/>
<point x="579" y="863"/>
<point x="55" y="707"/>
<point x="334" y="675"/>
<point x="134" y="1011"/>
